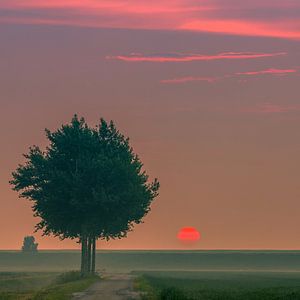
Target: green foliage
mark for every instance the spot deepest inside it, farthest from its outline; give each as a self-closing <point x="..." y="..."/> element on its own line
<point x="88" y="180"/>
<point x="29" y="244"/>
<point x="68" y="277"/>
<point x="142" y="285"/>
<point x="87" y="184"/>
<point x="72" y="276"/>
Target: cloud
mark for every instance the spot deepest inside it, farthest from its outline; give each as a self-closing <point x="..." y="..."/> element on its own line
<point x="271" y="108"/>
<point x="116" y="6"/>
<point x="129" y="14"/>
<point x="188" y="79"/>
<point x="269" y="72"/>
<point x="268" y="18"/>
<point x="287" y="29"/>
<point x="272" y="72"/>
<point x="179" y="57"/>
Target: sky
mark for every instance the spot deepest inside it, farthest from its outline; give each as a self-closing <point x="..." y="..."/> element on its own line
<point x="207" y="91"/>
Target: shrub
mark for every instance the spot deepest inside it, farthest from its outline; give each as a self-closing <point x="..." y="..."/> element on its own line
<point x="68" y="277"/>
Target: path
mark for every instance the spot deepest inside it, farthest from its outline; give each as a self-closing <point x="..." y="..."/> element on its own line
<point x="112" y="287"/>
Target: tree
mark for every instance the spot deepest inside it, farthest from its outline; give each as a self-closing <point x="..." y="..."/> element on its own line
<point x="29" y="244"/>
<point x="88" y="184"/>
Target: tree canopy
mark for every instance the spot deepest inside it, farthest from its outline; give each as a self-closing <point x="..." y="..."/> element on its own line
<point x="29" y="244"/>
<point x="87" y="183"/>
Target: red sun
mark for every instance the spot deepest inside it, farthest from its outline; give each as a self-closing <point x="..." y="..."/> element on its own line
<point x="188" y="234"/>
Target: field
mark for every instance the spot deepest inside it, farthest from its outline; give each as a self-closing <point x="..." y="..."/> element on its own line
<point x="23" y="284"/>
<point x="219" y="285"/>
<point x="190" y="274"/>
<point x="127" y="261"/>
<point x="41" y="285"/>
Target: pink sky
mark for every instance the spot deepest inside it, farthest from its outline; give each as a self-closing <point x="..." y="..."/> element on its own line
<point x="254" y="18"/>
<point x="208" y="92"/>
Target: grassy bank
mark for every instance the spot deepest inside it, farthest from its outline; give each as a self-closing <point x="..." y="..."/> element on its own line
<point x="219" y="285"/>
<point x="42" y="286"/>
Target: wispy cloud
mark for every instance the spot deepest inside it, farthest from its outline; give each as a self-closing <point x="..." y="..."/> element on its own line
<point x="188" y="57"/>
<point x="188" y="79"/>
<point x="271" y="108"/>
<point x="116" y="6"/>
<point x="287" y="29"/>
<point x="269" y="72"/>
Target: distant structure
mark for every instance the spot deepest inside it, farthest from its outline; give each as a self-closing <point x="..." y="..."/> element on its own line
<point x="29" y="244"/>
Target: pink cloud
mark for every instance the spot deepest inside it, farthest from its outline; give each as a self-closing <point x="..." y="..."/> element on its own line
<point x="269" y="18"/>
<point x="285" y="29"/>
<point x="274" y="72"/>
<point x="188" y="79"/>
<point x="116" y="6"/>
<point x="129" y="14"/>
<point x="269" y="71"/>
<point x="269" y="108"/>
<point x="177" y="57"/>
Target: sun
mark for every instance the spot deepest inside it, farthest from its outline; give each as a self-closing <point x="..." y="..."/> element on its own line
<point x="188" y="234"/>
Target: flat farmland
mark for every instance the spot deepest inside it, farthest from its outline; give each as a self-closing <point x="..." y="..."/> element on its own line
<point x="184" y="275"/>
<point x="127" y="261"/>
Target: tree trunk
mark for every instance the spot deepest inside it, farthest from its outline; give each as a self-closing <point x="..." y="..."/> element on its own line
<point x="86" y="257"/>
<point x="89" y="254"/>
<point x="93" y="268"/>
<point x="83" y="254"/>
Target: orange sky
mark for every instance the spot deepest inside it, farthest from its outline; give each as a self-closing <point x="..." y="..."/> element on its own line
<point x="208" y="91"/>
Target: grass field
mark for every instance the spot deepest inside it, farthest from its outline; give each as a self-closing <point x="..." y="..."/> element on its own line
<point x="188" y="275"/>
<point x="21" y="285"/>
<point x="220" y="285"/>
<point x="41" y="286"/>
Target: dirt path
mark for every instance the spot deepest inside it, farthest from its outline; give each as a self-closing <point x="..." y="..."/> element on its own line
<point x="112" y="287"/>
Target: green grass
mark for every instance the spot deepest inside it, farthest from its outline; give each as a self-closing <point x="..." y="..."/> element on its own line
<point x="219" y="285"/>
<point x="21" y="285"/>
<point x="65" y="290"/>
<point x="24" y="281"/>
<point x="42" y="286"/>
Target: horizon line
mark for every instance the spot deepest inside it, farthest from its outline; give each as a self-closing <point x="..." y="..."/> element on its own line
<point x="166" y="249"/>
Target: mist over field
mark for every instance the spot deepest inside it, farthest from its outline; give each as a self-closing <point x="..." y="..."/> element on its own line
<point x="127" y="261"/>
